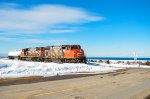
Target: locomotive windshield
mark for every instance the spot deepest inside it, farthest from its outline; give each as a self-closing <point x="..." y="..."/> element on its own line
<point x="75" y="47"/>
<point x="71" y="47"/>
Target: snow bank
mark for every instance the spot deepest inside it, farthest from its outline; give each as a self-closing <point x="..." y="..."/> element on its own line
<point x="123" y="65"/>
<point x="17" y="68"/>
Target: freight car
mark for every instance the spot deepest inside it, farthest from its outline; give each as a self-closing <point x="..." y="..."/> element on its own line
<point x="59" y="54"/>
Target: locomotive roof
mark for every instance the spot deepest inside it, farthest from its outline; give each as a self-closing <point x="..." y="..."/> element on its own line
<point x="62" y="45"/>
<point x="69" y="45"/>
<point x="33" y="47"/>
<point x="52" y="46"/>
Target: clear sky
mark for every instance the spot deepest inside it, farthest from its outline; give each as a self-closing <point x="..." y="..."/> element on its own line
<point x="101" y="27"/>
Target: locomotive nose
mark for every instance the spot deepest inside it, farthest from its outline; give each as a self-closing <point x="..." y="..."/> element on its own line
<point x="80" y="53"/>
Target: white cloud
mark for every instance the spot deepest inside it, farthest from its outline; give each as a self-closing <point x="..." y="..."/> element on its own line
<point x="15" y="19"/>
<point x="46" y="41"/>
<point x="64" y="31"/>
<point x="33" y="41"/>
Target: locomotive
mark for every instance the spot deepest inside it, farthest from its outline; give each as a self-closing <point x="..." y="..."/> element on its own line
<point x="58" y="54"/>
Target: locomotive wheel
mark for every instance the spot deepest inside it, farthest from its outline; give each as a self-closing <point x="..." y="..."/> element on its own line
<point x="59" y="61"/>
<point x="78" y="61"/>
<point x="72" y="61"/>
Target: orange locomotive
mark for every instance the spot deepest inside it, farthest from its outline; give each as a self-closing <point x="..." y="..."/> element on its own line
<point x="60" y="54"/>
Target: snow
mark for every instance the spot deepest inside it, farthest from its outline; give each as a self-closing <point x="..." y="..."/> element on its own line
<point x="17" y="68"/>
<point x="124" y="65"/>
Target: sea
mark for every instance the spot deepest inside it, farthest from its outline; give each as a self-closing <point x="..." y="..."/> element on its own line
<point x="117" y="58"/>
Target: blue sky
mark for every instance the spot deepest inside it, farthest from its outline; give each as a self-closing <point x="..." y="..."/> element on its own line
<point x="101" y="27"/>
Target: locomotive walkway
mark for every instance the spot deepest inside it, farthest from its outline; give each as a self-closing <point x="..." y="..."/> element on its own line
<point x="130" y="84"/>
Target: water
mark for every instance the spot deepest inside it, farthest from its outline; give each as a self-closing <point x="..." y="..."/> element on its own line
<point x="118" y="58"/>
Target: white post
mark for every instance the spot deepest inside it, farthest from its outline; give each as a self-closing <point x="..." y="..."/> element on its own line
<point x="135" y="57"/>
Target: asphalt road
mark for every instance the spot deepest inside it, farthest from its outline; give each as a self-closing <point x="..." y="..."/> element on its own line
<point x="130" y="84"/>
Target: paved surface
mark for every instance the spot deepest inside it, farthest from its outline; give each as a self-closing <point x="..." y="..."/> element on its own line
<point x="130" y="84"/>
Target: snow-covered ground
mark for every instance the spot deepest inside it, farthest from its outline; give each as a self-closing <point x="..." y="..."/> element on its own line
<point x="123" y="65"/>
<point x="17" y="68"/>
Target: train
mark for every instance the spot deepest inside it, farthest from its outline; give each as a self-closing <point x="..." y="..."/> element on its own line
<point x="57" y="54"/>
